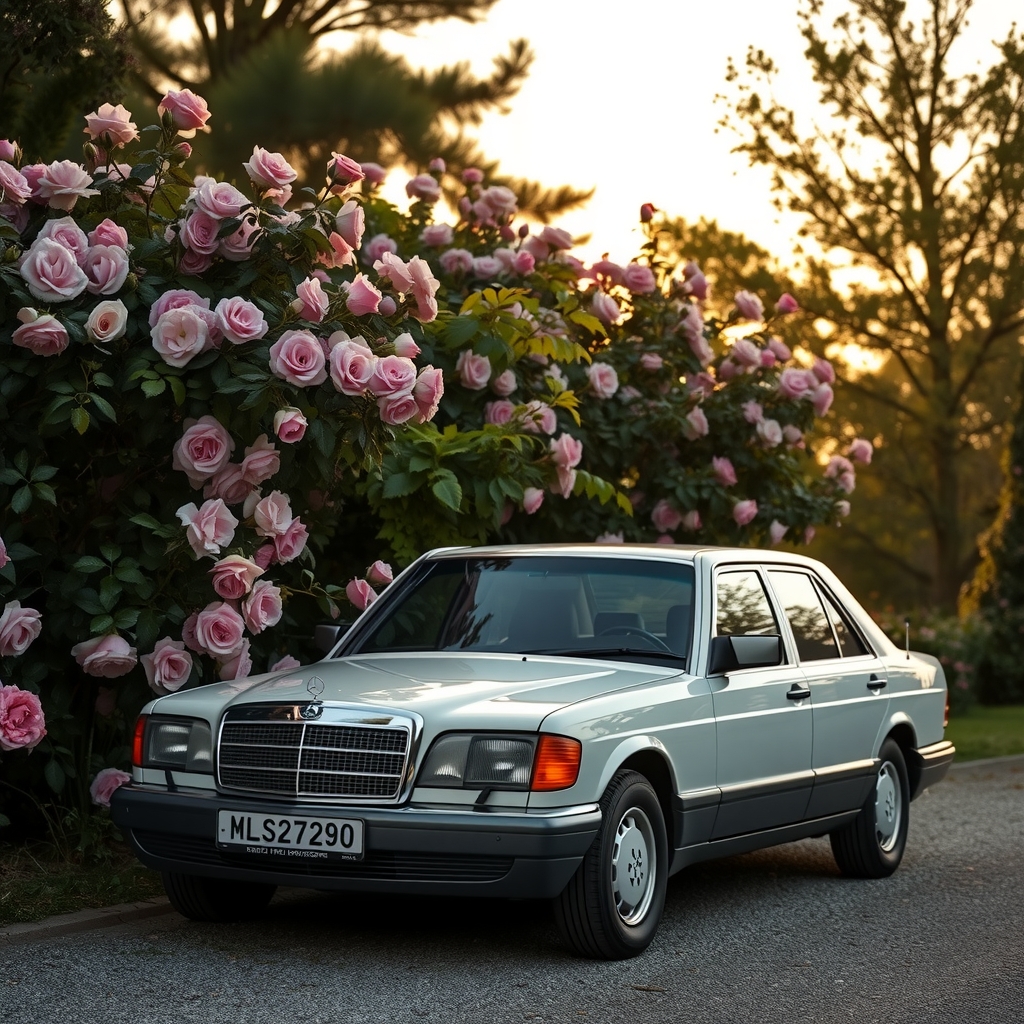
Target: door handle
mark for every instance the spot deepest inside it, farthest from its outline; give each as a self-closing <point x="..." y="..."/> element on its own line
<point x="874" y="683"/>
<point x="797" y="692"/>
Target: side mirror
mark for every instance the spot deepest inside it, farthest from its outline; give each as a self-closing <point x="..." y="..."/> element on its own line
<point x="327" y="634"/>
<point x="729" y="653"/>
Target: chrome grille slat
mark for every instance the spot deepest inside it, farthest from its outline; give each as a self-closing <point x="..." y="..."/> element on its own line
<point x="352" y="760"/>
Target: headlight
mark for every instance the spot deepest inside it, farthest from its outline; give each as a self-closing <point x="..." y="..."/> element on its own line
<point x="185" y="744"/>
<point x="468" y="761"/>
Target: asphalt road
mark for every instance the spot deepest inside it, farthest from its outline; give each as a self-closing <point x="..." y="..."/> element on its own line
<point x="771" y="936"/>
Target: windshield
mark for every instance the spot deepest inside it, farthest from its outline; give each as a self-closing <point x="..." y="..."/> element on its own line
<point x="582" y="606"/>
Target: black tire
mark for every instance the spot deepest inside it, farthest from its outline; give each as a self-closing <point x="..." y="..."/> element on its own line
<point x="591" y="919"/>
<point x="215" y="899"/>
<point x="872" y="845"/>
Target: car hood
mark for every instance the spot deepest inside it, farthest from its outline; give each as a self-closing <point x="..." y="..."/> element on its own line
<point x="447" y="690"/>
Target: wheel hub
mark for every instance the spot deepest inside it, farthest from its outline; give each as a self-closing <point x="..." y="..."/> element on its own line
<point x="888" y="807"/>
<point x="633" y="866"/>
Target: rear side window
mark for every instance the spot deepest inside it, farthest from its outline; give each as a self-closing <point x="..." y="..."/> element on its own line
<point x="849" y="642"/>
<point x="741" y="605"/>
<point x="811" y="630"/>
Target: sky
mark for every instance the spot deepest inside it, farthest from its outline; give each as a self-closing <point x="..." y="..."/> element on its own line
<point x="621" y="97"/>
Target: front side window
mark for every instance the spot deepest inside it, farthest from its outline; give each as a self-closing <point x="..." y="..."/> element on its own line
<point x="741" y="605"/>
<point x="539" y="604"/>
<point x="811" y="630"/>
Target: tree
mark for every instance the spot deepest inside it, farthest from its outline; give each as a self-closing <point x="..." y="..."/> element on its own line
<point x="917" y="182"/>
<point x="258" y="64"/>
<point x="58" y="60"/>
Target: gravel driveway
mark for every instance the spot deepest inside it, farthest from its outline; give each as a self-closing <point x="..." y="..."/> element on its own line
<point x="771" y="936"/>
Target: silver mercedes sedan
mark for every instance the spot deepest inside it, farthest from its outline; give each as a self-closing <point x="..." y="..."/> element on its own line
<point x="575" y="723"/>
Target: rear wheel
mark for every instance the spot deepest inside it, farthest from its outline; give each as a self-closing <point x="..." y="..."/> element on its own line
<point x="215" y="899"/>
<point x="872" y="845"/>
<point x="612" y="906"/>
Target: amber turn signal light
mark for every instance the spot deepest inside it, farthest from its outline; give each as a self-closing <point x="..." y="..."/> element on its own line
<point x="556" y="765"/>
<point x="138" y="739"/>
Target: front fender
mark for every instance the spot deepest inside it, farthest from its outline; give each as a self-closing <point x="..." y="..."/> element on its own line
<point x="624" y="750"/>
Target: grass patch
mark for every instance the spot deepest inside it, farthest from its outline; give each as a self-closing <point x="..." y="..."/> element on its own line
<point x="987" y="732"/>
<point x="35" y="884"/>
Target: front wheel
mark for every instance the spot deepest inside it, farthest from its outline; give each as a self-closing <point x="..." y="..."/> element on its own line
<point x="612" y="906"/>
<point x="872" y="845"/>
<point x="215" y="899"/>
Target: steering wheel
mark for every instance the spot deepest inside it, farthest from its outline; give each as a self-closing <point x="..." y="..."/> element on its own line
<point x="637" y="631"/>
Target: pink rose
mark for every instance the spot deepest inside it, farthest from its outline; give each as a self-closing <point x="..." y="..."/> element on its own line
<point x="607" y="269"/>
<point x="352" y="365"/>
<point x="5" y="559"/>
<point x="728" y="369"/>
<point x="262" y="460"/>
<point x="749" y="306"/>
<point x="290" y="544"/>
<point x="566" y="451"/>
<point x="265" y="555"/>
<point x="360" y="593"/>
<point x="363" y="298"/>
<point x="298" y="358"/>
<point x="229" y="484"/>
<point x="768" y="358"/>
<point x="51" y="272"/>
<point x="200" y="232"/>
<point x="557" y="238"/>
<point x="472" y="176"/>
<point x="821" y="399"/>
<point x="43" y="335"/>
<point x="109" y="233"/>
<point x="723" y="471"/>
<point x="860" y="450"/>
<point x="379" y="574"/>
<point x="487" y="267"/>
<point x="842" y="508"/>
<point x="456" y="261"/>
<point x="539" y="418"/>
<point x="63" y="183"/>
<point x="427" y="391"/>
<point x="187" y="111"/>
<point x="505" y="383"/>
<point x="398" y="408"/>
<point x="793" y="436"/>
<point x="113" y="122"/>
<point x="375" y="248"/>
<point x="696" y="424"/>
<point x="786" y="304"/>
<point x="498" y="413"/>
<point x="240" y="320"/>
<point x="208" y="529"/>
<point x="823" y="370"/>
<point x="286" y="663"/>
<point x="533" y="498"/>
<point x="392" y="375"/>
<point x="523" y="263"/>
<point x="203" y="450"/>
<point x="770" y="433"/>
<point x="474" y="371"/>
<point x="351" y="223"/>
<point x="263" y="607"/>
<point x="753" y="412"/>
<point x="424" y="288"/>
<point x="746" y="353"/>
<point x="780" y="348"/>
<point x="233" y="577"/>
<point x="795" y="383"/>
<point x="219" y="630"/>
<point x="273" y="515"/>
<point x="373" y="173"/>
<point x="180" y="335"/>
<point x="238" y="246"/>
<point x="395" y="270"/>
<point x="604" y="381"/>
<point x="565" y="481"/>
<point x="175" y="298"/>
<point x="238" y="665"/>
<point x="344" y="171"/>
<point x="423" y="187"/>
<point x="651" y="361"/>
<point x="639" y="279"/>
<point x="311" y="303"/>
<point x="665" y="517"/>
<point x="501" y="201"/>
<point x="289" y="425"/>
<point x="691" y="521"/>
<point x="605" y="308"/>
<point x="22" y="723"/>
<point x="108" y="781"/>
<point x="609" y="538"/>
<point x="405" y="346"/>
<point x="269" y="170"/>
<point x="437" y="234"/>
<point x="808" y="534"/>
<point x="744" y="511"/>
<point x="776" y="532"/>
<point x="107" y="322"/>
<point x="18" y="628"/>
<point x="13" y="184"/>
<point x="167" y="667"/>
<point x="105" y="656"/>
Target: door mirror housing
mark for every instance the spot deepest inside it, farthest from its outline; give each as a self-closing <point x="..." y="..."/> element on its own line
<point x="729" y="653"/>
<point x="327" y="634"/>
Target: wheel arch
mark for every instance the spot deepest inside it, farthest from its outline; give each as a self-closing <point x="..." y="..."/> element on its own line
<point x="648" y="756"/>
<point x="901" y="729"/>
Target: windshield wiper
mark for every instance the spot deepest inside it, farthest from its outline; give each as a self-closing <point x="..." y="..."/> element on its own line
<point x="604" y="652"/>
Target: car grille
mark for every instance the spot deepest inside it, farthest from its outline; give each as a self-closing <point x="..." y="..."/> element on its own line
<point x="316" y="759"/>
<point x="377" y="865"/>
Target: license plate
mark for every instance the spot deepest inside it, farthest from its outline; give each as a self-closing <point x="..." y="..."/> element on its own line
<point x="288" y="835"/>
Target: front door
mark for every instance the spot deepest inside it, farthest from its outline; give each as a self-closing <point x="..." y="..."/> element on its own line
<point x="764" y="734"/>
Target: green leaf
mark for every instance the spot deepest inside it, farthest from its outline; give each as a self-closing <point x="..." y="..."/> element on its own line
<point x="90" y="563"/>
<point x="20" y="500"/>
<point x="152" y="388"/>
<point x="397" y="485"/>
<point x="4" y="821"/>
<point x="80" y="420"/>
<point x="111" y="552"/>
<point x="447" y="490"/>
<point x="101" y="624"/>
<point x="104" y="407"/>
<point x="54" y="775"/>
<point x="178" y="390"/>
<point x="41" y="473"/>
<point x="45" y="492"/>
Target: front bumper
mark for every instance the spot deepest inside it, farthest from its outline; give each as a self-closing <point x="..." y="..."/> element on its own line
<point x="409" y="849"/>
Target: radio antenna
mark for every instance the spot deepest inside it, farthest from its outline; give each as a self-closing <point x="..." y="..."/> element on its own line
<point x="906" y="622"/>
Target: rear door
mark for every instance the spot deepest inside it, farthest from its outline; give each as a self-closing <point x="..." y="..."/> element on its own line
<point x="764" y="734"/>
<point x="847" y="683"/>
